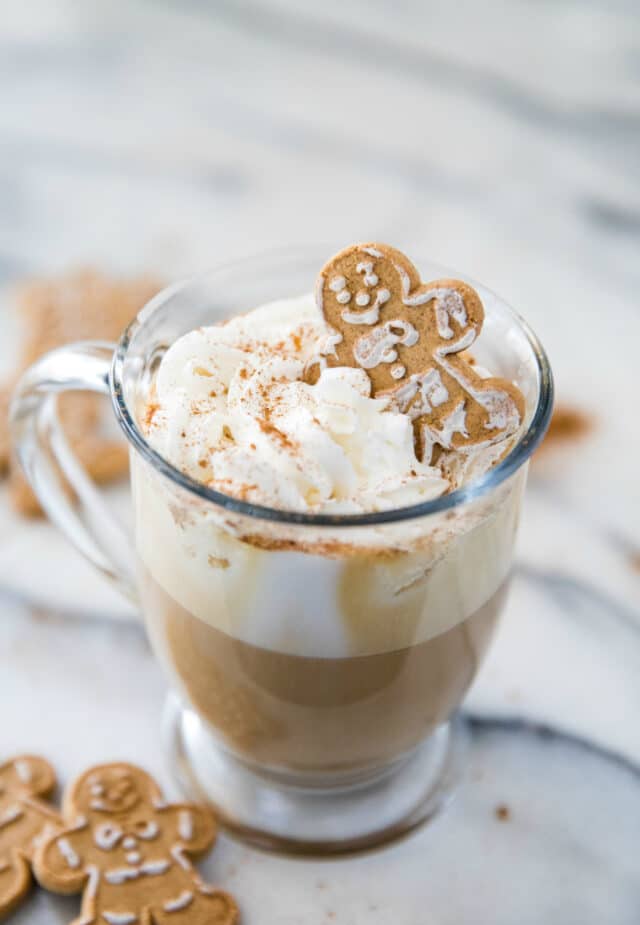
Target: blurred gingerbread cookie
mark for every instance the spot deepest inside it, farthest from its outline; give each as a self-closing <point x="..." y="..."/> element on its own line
<point x="5" y="442"/>
<point x="24" y="818"/>
<point x="411" y="339"/>
<point x="128" y="852"/>
<point x="83" y="305"/>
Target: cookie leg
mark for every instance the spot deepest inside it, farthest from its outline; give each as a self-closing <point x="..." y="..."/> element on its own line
<point x="213" y="907"/>
<point x="15" y="880"/>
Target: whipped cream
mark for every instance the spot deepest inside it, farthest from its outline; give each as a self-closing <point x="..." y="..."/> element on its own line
<point x="229" y="408"/>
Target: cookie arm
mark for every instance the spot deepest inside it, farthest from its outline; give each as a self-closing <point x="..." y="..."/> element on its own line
<point x="192" y="827"/>
<point x="58" y="863"/>
<point x="15" y="879"/>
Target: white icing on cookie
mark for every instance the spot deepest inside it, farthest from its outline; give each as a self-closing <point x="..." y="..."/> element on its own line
<point x="180" y="902"/>
<point x="119" y="918"/>
<point x="121" y="875"/>
<point x="68" y="853"/>
<point x="366" y="267"/>
<point x="178" y="854"/>
<point x="150" y="869"/>
<point x="371" y="315"/>
<point x="150" y="831"/>
<point x="331" y="343"/>
<point x="379" y="345"/>
<point x="454" y="423"/>
<point x="427" y="389"/>
<point x="501" y="408"/>
<point x="91" y="889"/>
<point x="185" y="825"/>
<point x="107" y="836"/>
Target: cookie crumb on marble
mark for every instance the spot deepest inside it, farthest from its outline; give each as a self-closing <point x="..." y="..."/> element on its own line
<point x="502" y="812"/>
<point x="569" y="424"/>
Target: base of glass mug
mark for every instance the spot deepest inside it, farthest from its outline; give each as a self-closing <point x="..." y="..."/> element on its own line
<point x="276" y="813"/>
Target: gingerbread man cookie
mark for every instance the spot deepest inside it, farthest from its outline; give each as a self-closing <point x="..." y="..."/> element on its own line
<point x="409" y="337"/>
<point x="23" y="820"/>
<point x="128" y="852"/>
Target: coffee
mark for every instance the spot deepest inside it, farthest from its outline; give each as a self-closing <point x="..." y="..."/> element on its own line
<point x="319" y="715"/>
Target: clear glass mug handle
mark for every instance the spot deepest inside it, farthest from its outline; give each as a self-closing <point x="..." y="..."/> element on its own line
<point x="52" y="468"/>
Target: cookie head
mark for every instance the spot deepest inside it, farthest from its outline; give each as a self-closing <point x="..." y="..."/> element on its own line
<point x="363" y="286"/>
<point x="27" y="775"/>
<point x="384" y="320"/>
<point x="113" y="789"/>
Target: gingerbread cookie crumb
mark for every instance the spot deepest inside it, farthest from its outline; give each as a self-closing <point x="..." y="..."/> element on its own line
<point x="568" y="425"/>
<point x="5" y="442"/>
<point x="634" y="560"/>
<point x="502" y="813"/>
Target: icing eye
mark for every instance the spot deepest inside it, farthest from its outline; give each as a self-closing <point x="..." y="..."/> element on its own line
<point x="343" y="296"/>
<point x="107" y="836"/>
<point x="147" y="830"/>
<point x="363" y="298"/>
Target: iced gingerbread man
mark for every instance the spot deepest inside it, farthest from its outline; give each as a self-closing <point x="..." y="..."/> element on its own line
<point x="24" y="818"/>
<point x="128" y="852"/>
<point x="410" y="337"/>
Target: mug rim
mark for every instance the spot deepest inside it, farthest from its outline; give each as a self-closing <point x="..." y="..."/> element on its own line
<point x="515" y="458"/>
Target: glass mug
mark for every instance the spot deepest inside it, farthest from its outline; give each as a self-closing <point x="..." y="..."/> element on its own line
<point x="316" y="660"/>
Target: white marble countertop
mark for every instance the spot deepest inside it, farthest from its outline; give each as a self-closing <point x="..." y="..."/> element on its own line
<point x="501" y="138"/>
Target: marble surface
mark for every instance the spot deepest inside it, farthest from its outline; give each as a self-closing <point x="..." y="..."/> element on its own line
<point x="502" y="138"/>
